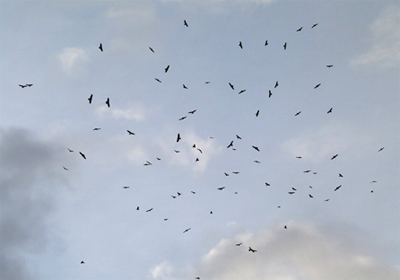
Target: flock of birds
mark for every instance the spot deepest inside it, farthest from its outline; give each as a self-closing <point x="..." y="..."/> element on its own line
<point x="229" y="146"/>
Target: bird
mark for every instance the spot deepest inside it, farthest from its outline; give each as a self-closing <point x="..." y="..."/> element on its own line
<point x="65" y="168"/>
<point x="192" y="112"/>
<point x="178" y="137"/>
<point x="230" y="144"/>
<point x="235" y="172"/>
<point x="285" y="227"/>
<point x="267" y="184"/>
<point x="178" y="193"/>
<point x="284" y="46"/>
<point x="207" y="82"/>
<point x="166" y="219"/>
<point x="340" y="175"/>
<point x="329" y="65"/>
<point x="232" y="87"/>
<point x="326" y="199"/>
<point x="257" y="113"/>
<point x="240" y="44"/>
<point x="96" y="128"/>
<point x="130" y="132"/>
<point x="373" y="181"/>
<point x="184" y="86"/>
<point x="200" y="150"/>
<point x="28" y="85"/>
<point x="151" y="49"/>
<point x="108" y="102"/>
<point x="197" y="277"/>
<point x="211" y="212"/>
<point x="226" y="174"/>
<point x="238" y="244"/>
<point x="197" y="159"/>
<point x="240" y="92"/>
<point x="329" y="111"/>
<point x="381" y="149"/>
<point x="23" y="86"/>
<point x="338" y="187"/>
<point x="238" y="137"/>
<point x="71" y="151"/>
<point x="291" y="192"/>
<point x="298" y="157"/>
<point x="307" y="171"/>
<point x="252" y="250"/>
<point x="101" y="47"/>
<point x="176" y="151"/>
<point x="149" y="210"/>
<point x="186" y="230"/>
<point x="181" y="119"/>
<point x="334" y="156"/>
<point x="256" y="148"/>
<point x="82" y="155"/>
<point x="310" y="196"/>
<point x="294" y="189"/>
<point x="82" y="262"/>
<point x="147" y="163"/>
<point x="158" y="80"/>
<point x="317" y="86"/>
<point x="126" y="187"/>
<point x="298" y="30"/>
<point x="166" y="69"/>
<point x="221" y="188"/>
<point x="314" y="25"/>
<point x="173" y="196"/>
<point x="266" y="43"/>
<point x="276" y="84"/>
<point x="137" y="208"/>
<point x="185" y="23"/>
<point x="256" y="161"/>
<point x="90" y="98"/>
<point x="269" y="94"/>
<point x="298" y="113"/>
<point x="193" y="192"/>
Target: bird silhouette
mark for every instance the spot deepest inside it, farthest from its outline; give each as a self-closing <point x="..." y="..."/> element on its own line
<point x="221" y="188"/>
<point x="329" y="111"/>
<point x="126" y="187"/>
<point x="149" y="210"/>
<point x="108" y="102"/>
<point x="192" y="112"/>
<point x="381" y="149"/>
<point x="338" y="187"/>
<point x="166" y="69"/>
<point x="28" y="85"/>
<point x="276" y="84"/>
<point x="137" y="208"/>
<point x="298" y="30"/>
<point x="269" y="94"/>
<point x="298" y="113"/>
<point x="334" y="156"/>
<point x="238" y="137"/>
<point x="256" y="148"/>
<point x="238" y="244"/>
<point x="65" y="168"/>
<point x="232" y="87"/>
<point x="284" y="46"/>
<point x="230" y="144"/>
<point x="267" y="184"/>
<point x="23" y="86"/>
<point x="182" y="118"/>
<point x="82" y="155"/>
<point x="240" y="44"/>
<point x="307" y="171"/>
<point x="184" y="86"/>
<point x="82" y="262"/>
<point x="151" y="49"/>
<point x="266" y="43"/>
<point x="186" y="230"/>
<point x="130" y="132"/>
<point x="257" y="113"/>
<point x="178" y="137"/>
<point x="185" y="23"/>
<point x="101" y="47"/>
<point x="329" y="65"/>
<point x="340" y="175"/>
<point x="317" y="86"/>
<point x="240" y="92"/>
<point x="310" y="196"/>
<point x="71" y="151"/>
<point x="90" y="98"/>
<point x="252" y="250"/>
<point x="158" y="80"/>
<point x="96" y="128"/>
<point x="314" y="25"/>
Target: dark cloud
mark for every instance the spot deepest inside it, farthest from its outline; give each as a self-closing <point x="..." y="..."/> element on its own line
<point x="29" y="178"/>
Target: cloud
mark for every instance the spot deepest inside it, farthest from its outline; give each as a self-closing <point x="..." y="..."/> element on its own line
<point x="134" y="112"/>
<point x="301" y="251"/>
<point x="385" y="49"/>
<point x="72" y="60"/>
<point x="162" y="271"/>
<point x="29" y="178"/>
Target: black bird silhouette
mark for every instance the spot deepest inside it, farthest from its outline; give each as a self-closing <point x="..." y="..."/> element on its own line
<point x="221" y="188"/>
<point x="340" y="175"/>
<point x="130" y="132"/>
<point x="184" y="86"/>
<point x="176" y="151"/>
<point x="381" y="149"/>
<point x="298" y="30"/>
<point x="90" y="98"/>
<point x="285" y="227"/>
<point x="226" y="174"/>
<point x="338" y="187"/>
<point x="137" y="208"/>
<point x="193" y="192"/>
<point x="310" y="196"/>
<point x="200" y="150"/>
<point x="23" y="86"/>
<point x="186" y="230"/>
<point x="82" y="155"/>
<point x="178" y="137"/>
<point x="28" y="85"/>
<point x="291" y="192"/>
<point x="108" y="102"/>
<point x="276" y="84"/>
<point x="101" y="47"/>
<point x="329" y="111"/>
<point x="240" y="92"/>
<point x="207" y="82"/>
<point x="71" y="151"/>
<point x="238" y="137"/>
<point x="240" y="44"/>
<point x="284" y="46"/>
<point x="147" y="163"/>
<point x="314" y="25"/>
<point x="298" y="157"/>
<point x="326" y="199"/>
<point x="158" y="80"/>
<point x="149" y="210"/>
<point x="185" y="23"/>
<point x="151" y="49"/>
<point x="235" y="172"/>
<point x="230" y="144"/>
<point x="257" y="113"/>
<point x="267" y="184"/>
<point x="232" y="87"/>
<point x="182" y="118"/>
<point x="266" y="43"/>
<point x="298" y="113"/>
<point x="82" y="262"/>
<point x="317" y="86"/>
<point x="307" y="171"/>
<point x="65" y="168"/>
<point x="329" y="65"/>
<point x="256" y="161"/>
<point x="294" y="189"/>
<point x="126" y="187"/>
<point x="238" y="244"/>
<point x="166" y="69"/>
<point x="256" y="148"/>
<point x="192" y="112"/>
<point x="252" y="250"/>
<point x="334" y="156"/>
<point x="96" y="128"/>
<point x="269" y="93"/>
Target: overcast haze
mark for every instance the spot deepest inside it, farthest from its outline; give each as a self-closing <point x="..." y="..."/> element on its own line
<point x="305" y="181"/>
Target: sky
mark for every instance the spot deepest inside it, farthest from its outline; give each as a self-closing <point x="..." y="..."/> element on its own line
<point x="310" y="181"/>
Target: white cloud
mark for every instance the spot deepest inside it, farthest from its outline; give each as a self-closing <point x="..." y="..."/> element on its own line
<point x="301" y="251"/>
<point x="162" y="271"/>
<point x="385" y="48"/>
<point x="134" y="112"/>
<point x="72" y="59"/>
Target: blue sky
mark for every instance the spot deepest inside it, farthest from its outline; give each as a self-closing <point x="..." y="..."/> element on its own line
<point x="58" y="209"/>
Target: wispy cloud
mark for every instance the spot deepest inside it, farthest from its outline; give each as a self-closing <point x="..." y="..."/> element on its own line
<point x="385" y="48"/>
<point x="72" y="60"/>
<point x="301" y="251"/>
<point x="162" y="271"/>
<point x="135" y="112"/>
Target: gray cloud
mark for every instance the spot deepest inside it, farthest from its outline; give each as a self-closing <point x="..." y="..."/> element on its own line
<point x="29" y="177"/>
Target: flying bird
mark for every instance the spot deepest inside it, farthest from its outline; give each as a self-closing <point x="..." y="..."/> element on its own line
<point x="186" y="230"/>
<point x="23" y="86"/>
<point x="329" y="65"/>
<point x="291" y="192"/>
<point x="185" y="23"/>
<point x="238" y="244"/>
<point x="96" y="128"/>
<point x="235" y="172"/>
<point x="338" y="187"/>
<point x="130" y="132"/>
<point x="193" y="192"/>
<point x="226" y="174"/>
<point x="294" y="189"/>
<point x="240" y="44"/>
<point x="126" y="187"/>
<point x="310" y="196"/>
<point x="65" y="168"/>
<point x="256" y="148"/>
<point x="230" y="144"/>
<point x="257" y="113"/>
<point x="82" y="155"/>
<point x="285" y="227"/>
<point x="329" y="111"/>
<point x="178" y="137"/>
<point x="71" y="151"/>
<point x="334" y="156"/>
<point x="192" y="112"/>
<point x="182" y="118"/>
<point x="149" y="210"/>
<point x="314" y="25"/>
<point x="28" y="85"/>
<point x="158" y="80"/>
<point x="238" y="137"/>
<point x="151" y="49"/>
<point x="82" y="262"/>
<point x="266" y="43"/>
<point x="166" y="69"/>
<point x="90" y="98"/>
<point x="232" y="87"/>
<point x="108" y="102"/>
<point x="284" y="46"/>
<point x="298" y="113"/>
<point x="381" y="149"/>
<point x="340" y="175"/>
<point x="184" y="86"/>
<point x="101" y="47"/>
<point x="276" y="84"/>
<point x="256" y="161"/>
<point x="240" y="92"/>
<point x="252" y="250"/>
<point x="298" y="30"/>
<point x="267" y="184"/>
<point x="299" y="157"/>
<point x="269" y="93"/>
<point x="307" y="171"/>
<point x="317" y="86"/>
<point x="176" y="151"/>
<point x="221" y="188"/>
